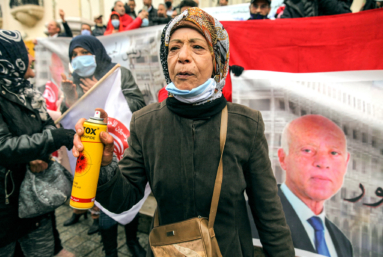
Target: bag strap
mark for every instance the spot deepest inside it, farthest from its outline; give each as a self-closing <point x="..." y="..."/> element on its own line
<point x="218" y="179"/>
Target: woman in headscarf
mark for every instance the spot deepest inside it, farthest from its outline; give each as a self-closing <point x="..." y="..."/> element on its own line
<point x="175" y="145"/>
<point x="90" y="62"/>
<point x="28" y="136"/>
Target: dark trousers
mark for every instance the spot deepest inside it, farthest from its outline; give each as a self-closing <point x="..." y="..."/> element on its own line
<point x="109" y="229"/>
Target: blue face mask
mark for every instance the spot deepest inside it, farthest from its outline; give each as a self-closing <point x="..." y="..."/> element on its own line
<point x="116" y="23"/>
<point x="145" y="22"/>
<point x="84" y="65"/>
<point x="195" y="95"/>
<point x="85" y="32"/>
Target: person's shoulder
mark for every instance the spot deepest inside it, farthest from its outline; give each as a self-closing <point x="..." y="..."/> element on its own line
<point x="243" y="111"/>
<point x="151" y="109"/>
<point x="340" y="237"/>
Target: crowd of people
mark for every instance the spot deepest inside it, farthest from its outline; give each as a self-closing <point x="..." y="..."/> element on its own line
<point x="123" y="16"/>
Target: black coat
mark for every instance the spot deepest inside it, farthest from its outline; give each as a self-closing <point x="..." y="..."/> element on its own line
<point x="68" y="31"/>
<point x="310" y="8"/>
<point x="179" y="157"/>
<point x="300" y="238"/>
<point x="24" y="137"/>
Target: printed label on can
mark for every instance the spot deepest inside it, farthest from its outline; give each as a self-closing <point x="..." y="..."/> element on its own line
<point x="80" y="200"/>
<point x="83" y="164"/>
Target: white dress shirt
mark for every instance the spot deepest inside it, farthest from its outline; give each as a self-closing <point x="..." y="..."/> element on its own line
<point x="304" y="213"/>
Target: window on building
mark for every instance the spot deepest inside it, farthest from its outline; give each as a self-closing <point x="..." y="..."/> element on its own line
<point x="354" y="166"/>
<point x="280" y="104"/>
<point x="373" y="142"/>
<point x="343" y="193"/>
<point x="345" y="130"/>
<point x="364" y="137"/>
<point x="303" y="112"/>
<point x="293" y="108"/>
<point x="260" y="104"/>
<point x="354" y="134"/>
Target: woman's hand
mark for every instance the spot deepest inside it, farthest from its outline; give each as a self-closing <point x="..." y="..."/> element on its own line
<point x="106" y="139"/>
<point x="69" y="89"/>
<point x="37" y="166"/>
<point x="88" y="83"/>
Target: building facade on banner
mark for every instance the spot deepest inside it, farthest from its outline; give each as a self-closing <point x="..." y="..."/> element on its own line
<point x="363" y="225"/>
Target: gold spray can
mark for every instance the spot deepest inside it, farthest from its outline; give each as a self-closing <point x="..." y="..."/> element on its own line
<point x="88" y="164"/>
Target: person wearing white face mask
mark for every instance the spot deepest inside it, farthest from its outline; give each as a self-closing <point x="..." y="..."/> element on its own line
<point x="86" y="29"/>
<point x="90" y="62"/>
<point x="116" y="23"/>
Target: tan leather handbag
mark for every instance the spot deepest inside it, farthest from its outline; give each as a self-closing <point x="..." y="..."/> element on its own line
<point x="193" y="237"/>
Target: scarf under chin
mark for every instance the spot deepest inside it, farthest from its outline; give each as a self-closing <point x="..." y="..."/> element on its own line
<point x="37" y="100"/>
<point x="196" y="112"/>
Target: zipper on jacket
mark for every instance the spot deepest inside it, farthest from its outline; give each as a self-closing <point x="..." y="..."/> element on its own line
<point x="9" y="172"/>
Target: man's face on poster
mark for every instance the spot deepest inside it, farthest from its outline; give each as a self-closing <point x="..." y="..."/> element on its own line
<point x="317" y="158"/>
<point x="56" y="68"/>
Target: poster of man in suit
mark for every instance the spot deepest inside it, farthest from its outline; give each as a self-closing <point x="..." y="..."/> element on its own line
<point x="315" y="157"/>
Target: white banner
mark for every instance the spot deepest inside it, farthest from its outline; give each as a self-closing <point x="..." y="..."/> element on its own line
<point x="136" y="50"/>
<point x="108" y="96"/>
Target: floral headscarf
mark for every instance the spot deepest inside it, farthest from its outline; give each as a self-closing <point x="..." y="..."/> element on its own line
<point x="216" y="37"/>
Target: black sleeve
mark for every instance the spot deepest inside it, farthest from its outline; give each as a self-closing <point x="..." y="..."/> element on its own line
<point x="25" y="148"/>
<point x="131" y="92"/>
<point x="68" y="31"/>
<point x="264" y="201"/>
<point x="330" y="7"/>
<point x="129" y="178"/>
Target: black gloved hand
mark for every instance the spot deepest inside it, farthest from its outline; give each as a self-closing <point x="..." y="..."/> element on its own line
<point x="237" y="70"/>
<point x="63" y="137"/>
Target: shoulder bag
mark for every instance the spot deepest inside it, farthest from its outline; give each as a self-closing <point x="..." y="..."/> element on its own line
<point x="193" y="237"/>
<point x="43" y="192"/>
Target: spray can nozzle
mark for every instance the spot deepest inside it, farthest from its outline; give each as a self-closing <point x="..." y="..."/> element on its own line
<point x="97" y="118"/>
<point x="97" y="114"/>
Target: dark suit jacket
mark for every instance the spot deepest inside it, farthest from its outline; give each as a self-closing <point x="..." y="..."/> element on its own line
<point x="68" y="31"/>
<point x="301" y="240"/>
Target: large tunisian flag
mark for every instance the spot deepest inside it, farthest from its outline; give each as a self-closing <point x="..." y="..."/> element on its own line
<point x="345" y="42"/>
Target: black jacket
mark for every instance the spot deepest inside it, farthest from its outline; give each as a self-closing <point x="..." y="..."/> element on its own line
<point x="152" y="15"/>
<point x="68" y="31"/>
<point x="179" y="157"/>
<point x="300" y="238"/>
<point x="24" y="137"/>
<point x="98" y="31"/>
<point x="161" y="20"/>
<point x="310" y="8"/>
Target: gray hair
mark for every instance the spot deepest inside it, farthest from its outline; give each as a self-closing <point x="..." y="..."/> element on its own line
<point x="285" y="139"/>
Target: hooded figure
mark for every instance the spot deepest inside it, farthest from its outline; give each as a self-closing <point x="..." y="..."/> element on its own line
<point x="175" y="146"/>
<point x="28" y="137"/>
<point x="112" y="24"/>
<point x="125" y="23"/>
<point x="102" y="64"/>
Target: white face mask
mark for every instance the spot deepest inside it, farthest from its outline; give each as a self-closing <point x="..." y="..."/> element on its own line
<point x="84" y="65"/>
<point x="116" y="23"/>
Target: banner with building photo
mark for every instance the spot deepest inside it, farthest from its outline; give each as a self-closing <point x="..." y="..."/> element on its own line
<point x="325" y="82"/>
<point x="137" y="50"/>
